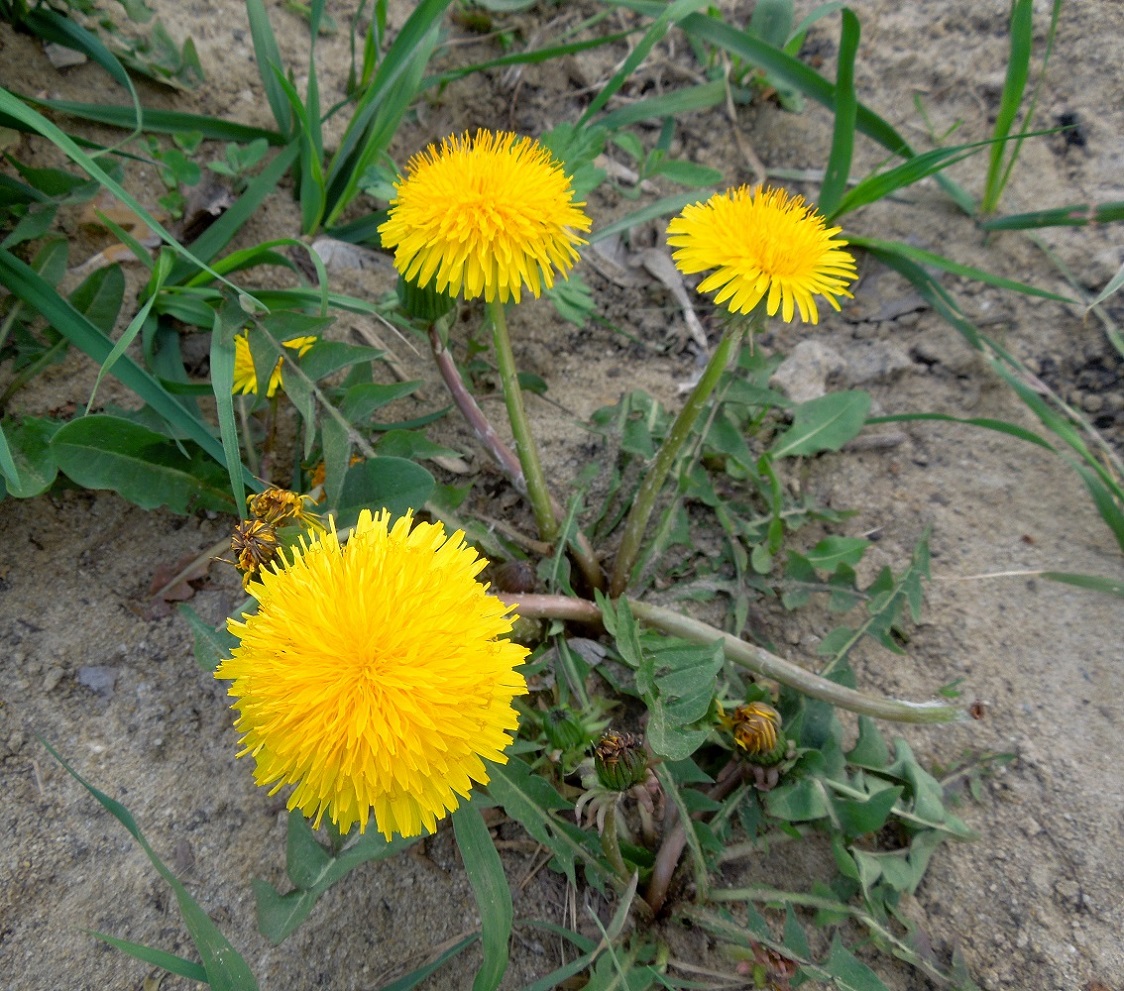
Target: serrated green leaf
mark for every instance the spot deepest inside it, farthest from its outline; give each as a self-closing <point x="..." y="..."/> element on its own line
<point x="530" y="800"/>
<point x="857" y="818"/>
<point x="212" y="646"/>
<point x="148" y="469"/>
<point x="797" y="801"/>
<point x="30" y="468"/>
<point x="848" y="972"/>
<point x="870" y="750"/>
<point x="824" y="424"/>
<point x="360" y="401"/>
<point x="830" y="552"/>
<point x="384" y="483"/>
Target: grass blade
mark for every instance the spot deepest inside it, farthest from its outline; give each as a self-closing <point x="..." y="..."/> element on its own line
<point x="226" y="326"/>
<point x="679" y="101"/>
<point x="156" y="958"/>
<point x="493" y="896"/>
<point x="987" y="423"/>
<point x="222" y="231"/>
<point x="532" y="57"/>
<point x="414" y="978"/>
<point x="270" y="66"/>
<point x="39" y="294"/>
<point x="670" y="14"/>
<point x="922" y="257"/>
<point x="846" y="106"/>
<point x="795" y="74"/>
<point x="1077" y="215"/>
<point x="883" y="184"/>
<point x="399" y="79"/>
<point x="225" y="968"/>
<point x="1018" y="70"/>
<point x="53" y="26"/>
<point x="1113" y="586"/>
<point x="161" y="121"/>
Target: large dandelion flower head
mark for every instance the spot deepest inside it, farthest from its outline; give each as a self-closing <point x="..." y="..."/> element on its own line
<point x="485" y="214"/>
<point x="763" y="244"/>
<point x="373" y="677"/>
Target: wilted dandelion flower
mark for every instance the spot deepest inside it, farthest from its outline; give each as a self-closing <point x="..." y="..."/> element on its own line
<point x="764" y="244"/>
<point x="487" y="215"/>
<point x="246" y="379"/>
<point x="373" y="678"/>
<point x="280" y="507"/>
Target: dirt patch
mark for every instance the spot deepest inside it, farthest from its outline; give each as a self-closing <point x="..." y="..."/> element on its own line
<point x="1034" y="903"/>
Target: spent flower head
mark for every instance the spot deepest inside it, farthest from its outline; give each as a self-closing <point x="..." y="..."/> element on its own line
<point x="374" y="676"/>
<point x="487" y="214"/>
<point x="281" y="507"/>
<point x="246" y="378"/>
<point x="763" y="244"/>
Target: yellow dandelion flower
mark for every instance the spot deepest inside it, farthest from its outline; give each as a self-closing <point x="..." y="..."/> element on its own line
<point x="763" y="241"/>
<point x="487" y="215"/>
<point x="246" y="379"/>
<point x="373" y="677"/>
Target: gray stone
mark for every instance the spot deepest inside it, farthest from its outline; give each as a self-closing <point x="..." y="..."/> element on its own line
<point x="98" y="678"/>
<point x="808" y="372"/>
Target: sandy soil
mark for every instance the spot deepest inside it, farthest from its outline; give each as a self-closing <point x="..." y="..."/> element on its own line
<point x="1033" y="904"/>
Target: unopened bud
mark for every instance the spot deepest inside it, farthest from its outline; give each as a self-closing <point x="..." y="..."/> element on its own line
<point x="620" y="760"/>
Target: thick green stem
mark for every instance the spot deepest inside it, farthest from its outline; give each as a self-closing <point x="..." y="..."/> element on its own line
<point x="746" y="655"/>
<point x="641" y="512"/>
<point x="581" y="548"/>
<point x="525" y="448"/>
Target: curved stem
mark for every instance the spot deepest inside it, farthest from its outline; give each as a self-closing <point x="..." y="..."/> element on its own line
<point x="746" y="655"/>
<point x="525" y="447"/>
<point x="649" y="490"/>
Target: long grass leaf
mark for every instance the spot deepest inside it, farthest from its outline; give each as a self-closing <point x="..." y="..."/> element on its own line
<point x="489" y="884"/>
<point x="846" y="106"/>
<point x="51" y="25"/>
<point x="226" y="970"/>
<point x="161" y="121"/>
<point x="156" y="958"/>
<point x="1032" y="103"/>
<point x="793" y="73"/>
<point x="222" y="231"/>
<point x="415" y="977"/>
<point x="1018" y="70"/>
<point x="678" y="101"/>
<point x="883" y="184"/>
<point x="922" y="257"/>
<point x="312" y="191"/>
<point x="130" y="333"/>
<point x="12" y="106"/>
<point x="229" y="319"/>
<point x="1113" y="286"/>
<point x="534" y="56"/>
<point x="987" y="423"/>
<point x="669" y="15"/>
<point x="1077" y="215"/>
<point x="39" y="294"/>
<point x="403" y="54"/>
<point x="270" y="66"/>
<point x="663" y="207"/>
<point x="1113" y="586"/>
